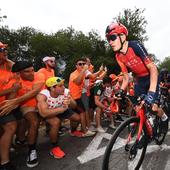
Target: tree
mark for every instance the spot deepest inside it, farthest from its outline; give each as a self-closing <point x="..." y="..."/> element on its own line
<point x="135" y="23"/>
<point x="165" y="63"/>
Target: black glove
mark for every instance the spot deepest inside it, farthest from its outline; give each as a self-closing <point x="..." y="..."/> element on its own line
<point x="120" y="94"/>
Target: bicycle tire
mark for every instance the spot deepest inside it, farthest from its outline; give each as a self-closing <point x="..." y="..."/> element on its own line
<point x="159" y="137"/>
<point x="109" y="148"/>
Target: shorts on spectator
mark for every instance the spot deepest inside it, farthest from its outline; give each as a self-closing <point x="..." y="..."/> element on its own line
<point x="92" y="104"/>
<point x="28" y="109"/>
<point x="85" y="101"/>
<point x="14" y="115"/>
<point x="66" y="115"/>
<point x="80" y="107"/>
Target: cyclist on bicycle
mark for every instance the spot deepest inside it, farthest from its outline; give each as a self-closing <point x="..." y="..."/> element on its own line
<point x="132" y="55"/>
<point x="164" y="77"/>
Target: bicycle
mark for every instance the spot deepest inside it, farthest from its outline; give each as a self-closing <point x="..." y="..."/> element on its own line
<point x="127" y="147"/>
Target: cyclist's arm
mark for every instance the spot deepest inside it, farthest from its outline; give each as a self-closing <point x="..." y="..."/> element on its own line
<point x="153" y="76"/>
<point x="125" y="74"/>
<point x="125" y="81"/>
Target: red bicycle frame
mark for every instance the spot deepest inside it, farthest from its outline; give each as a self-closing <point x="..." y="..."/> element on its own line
<point x="143" y="120"/>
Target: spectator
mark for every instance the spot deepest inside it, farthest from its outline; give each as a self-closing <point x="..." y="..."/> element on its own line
<point x="48" y="70"/>
<point x="54" y="105"/>
<point x="31" y="85"/>
<point x="89" y="75"/>
<point x="96" y="97"/>
<point x="76" y="84"/>
<point x="7" y="122"/>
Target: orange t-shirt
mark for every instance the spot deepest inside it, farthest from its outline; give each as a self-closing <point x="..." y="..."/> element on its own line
<point x="28" y="86"/>
<point x="46" y="74"/>
<point x="75" y="90"/>
<point x="5" y="77"/>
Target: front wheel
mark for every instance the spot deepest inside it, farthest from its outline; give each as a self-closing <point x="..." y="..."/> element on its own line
<point x="123" y="152"/>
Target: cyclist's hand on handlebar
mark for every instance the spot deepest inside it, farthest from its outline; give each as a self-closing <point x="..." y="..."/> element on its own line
<point x="150" y="98"/>
<point x="120" y="94"/>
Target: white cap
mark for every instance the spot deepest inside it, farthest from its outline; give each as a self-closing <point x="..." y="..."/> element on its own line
<point x="48" y="58"/>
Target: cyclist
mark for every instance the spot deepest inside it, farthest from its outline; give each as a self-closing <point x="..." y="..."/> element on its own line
<point x="165" y="84"/>
<point x="132" y="55"/>
<point x="164" y="77"/>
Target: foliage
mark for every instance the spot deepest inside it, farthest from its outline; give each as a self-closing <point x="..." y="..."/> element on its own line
<point x="68" y="44"/>
<point x="165" y="63"/>
<point x="135" y="23"/>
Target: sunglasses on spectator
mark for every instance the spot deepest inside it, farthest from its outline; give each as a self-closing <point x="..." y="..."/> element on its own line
<point x="112" y="37"/>
<point x="81" y="64"/>
<point x="2" y="49"/>
<point x="60" y="82"/>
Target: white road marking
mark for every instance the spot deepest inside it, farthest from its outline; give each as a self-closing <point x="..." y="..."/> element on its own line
<point x="167" y="166"/>
<point x="92" y="151"/>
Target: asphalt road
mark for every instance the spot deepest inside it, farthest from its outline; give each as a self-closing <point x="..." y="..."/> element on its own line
<point x="86" y="153"/>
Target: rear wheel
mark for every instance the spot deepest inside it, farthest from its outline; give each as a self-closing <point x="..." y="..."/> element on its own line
<point x="120" y="154"/>
<point x="159" y="136"/>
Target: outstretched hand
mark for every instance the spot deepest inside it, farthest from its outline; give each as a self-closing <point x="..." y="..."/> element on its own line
<point x="7" y="106"/>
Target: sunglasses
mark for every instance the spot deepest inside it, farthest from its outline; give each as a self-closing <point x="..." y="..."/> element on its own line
<point x="60" y="82"/>
<point x="81" y="64"/>
<point x="2" y="49"/>
<point x="111" y="37"/>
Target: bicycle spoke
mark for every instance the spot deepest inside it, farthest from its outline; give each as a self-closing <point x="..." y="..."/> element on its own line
<point x="123" y="152"/>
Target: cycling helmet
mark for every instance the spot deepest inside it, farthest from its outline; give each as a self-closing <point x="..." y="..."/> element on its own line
<point x="116" y="28"/>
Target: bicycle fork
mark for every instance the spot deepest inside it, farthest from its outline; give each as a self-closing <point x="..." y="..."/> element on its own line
<point x="133" y="150"/>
